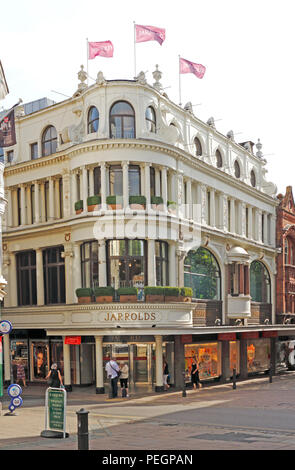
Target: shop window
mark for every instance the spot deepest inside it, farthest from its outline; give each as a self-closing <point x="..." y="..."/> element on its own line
<point x="202" y="274"/>
<point x="26" y="278"/>
<point x="208" y="356"/>
<point x="150" y="119"/>
<point x="259" y="282"/>
<point x="93" y="120"/>
<point x="89" y="264"/>
<point x="49" y="141"/>
<point x="122" y="121"/>
<point x="258" y="355"/>
<point x="127" y="263"/>
<point x="198" y="147"/>
<point x="161" y="263"/>
<point x="54" y="275"/>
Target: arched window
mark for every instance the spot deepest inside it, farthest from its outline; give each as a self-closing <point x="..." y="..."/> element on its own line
<point x="218" y="159"/>
<point x="150" y="119"/>
<point x="237" y="169"/>
<point x="253" y="178"/>
<point x="259" y="282"/>
<point x="122" y="121"/>
<point x="202" y="274"/>
<point x="93" y="120"/>
<point x="198" y="147"/>
<point x="49" y="141"/>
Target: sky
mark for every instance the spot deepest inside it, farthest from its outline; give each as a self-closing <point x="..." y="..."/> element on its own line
<point x="247" y="47"/>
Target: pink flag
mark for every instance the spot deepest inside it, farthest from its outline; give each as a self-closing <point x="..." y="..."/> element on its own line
<point x="185" y="66"/>
<point x="104" y="49"/>
<point x="149" y="33"/>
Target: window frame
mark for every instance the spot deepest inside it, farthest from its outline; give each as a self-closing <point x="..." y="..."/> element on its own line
<point x="60" y="265"/>
<point x="198" y="147"/>
<point x="122" y="116"/>
<point x="90" y="122"/>
<point x="126" y="258"/>
<point x="52" y="141"/>
<point x="151" y="123"/>
<point x="32" y="283"/>
<point x="90" y="261"/>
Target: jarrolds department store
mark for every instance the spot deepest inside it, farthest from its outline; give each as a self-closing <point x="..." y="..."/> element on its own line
<point x="135" y="229"/>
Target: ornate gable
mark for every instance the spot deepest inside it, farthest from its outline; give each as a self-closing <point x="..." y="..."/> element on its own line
<point x="287" y="201"/>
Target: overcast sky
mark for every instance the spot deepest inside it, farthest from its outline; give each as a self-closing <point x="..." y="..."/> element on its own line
<point x="246" y="46"/>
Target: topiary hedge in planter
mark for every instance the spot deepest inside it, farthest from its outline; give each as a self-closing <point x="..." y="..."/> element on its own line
<point x="93" y="203"/>
<point x="154" y="293"/>
<point x="84" y="295"/>
<point x="157" y="202"/>
<point x="186" y="294"/>
<point x="104" y="294"/>
<point x="127" y="294"/>
<point x="79" y="207"/>
<point x="172" y="294"/>
<point x="114" y="202"/>
<point x="172" y="207"/>
<point x="137" y="202"/>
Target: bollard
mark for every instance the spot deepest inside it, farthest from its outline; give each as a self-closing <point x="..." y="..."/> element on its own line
<point x="270" y="373"/>
<point x="234" y="379"/>
<point x="183" y="386"/>
<point x="82" y="429"/>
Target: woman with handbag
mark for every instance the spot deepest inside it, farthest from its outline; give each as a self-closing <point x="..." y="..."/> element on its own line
<point x="54" y="377"/>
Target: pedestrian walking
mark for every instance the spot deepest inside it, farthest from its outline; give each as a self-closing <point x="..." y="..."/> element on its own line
<point x="20" y="373"/>
<point x="54" y="377"/>
<point x="195" y="374"/>
<point x="113" y="373"/>
<point x="124" y="379"/>
<point x="165" y="374"/>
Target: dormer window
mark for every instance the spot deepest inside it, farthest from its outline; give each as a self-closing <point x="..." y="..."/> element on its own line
<point x="49" y="141"/>
<point x="93" y="120"/>
<point x="237" y="170"/>
<point x="218" y="159"/>
<point x="198" y="147"/>
<point x="122" y="121"/>
<point x="150" y="119"/>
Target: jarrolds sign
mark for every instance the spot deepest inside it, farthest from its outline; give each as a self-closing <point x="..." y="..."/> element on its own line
<point x="145" y="317"/>
<point x="129" y="316"/>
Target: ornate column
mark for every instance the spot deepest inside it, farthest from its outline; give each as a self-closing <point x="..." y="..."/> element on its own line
<point x="125" y="166"/>
<point x="232" y="216"/>
<point x="212" y="208"/>
<point x="84" y="193"/>
<point x="99" y="364"/>
<point x="265" y="228"/>
<point x="103" y="185"/>
<point x="250" y="222"/>
<point x="9" y="208"/>
<point x="147" y="184"/>
<point x="43" y="201"/>
<point x="102" y="266"/>
<point x="180" y="256"/>
<point x="37" y="203"/>
<point x="51" y="199"/>
<point x="74" y="191"/>
<point x="242" y="215"/>
<point x="39" y="277"/>
<point x="172" y="264"/>
<point x="77" y="278"/>
<point x="23" y="211"/>
<point x="164" y="186"/>
<point x="159" y="364"/>
<point x="223" y="215"/>
<point x="259" y="225"/>
<point x="272" y="230"/>
<point x="151" y="263"/>
<point x="66" y="183"/>
<point x="189" y="199"/>
<point x="29" y="205"/>
<point x="68" y="254"/>
<point x="56" y="198"/>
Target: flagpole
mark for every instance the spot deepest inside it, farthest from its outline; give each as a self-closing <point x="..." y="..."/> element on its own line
<point x="134" y="49"/>
<point x="87" y="49"/>
<point x="179" y="80"/>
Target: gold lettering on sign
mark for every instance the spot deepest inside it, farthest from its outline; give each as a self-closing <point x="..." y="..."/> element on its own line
<point x="134" y="316"/>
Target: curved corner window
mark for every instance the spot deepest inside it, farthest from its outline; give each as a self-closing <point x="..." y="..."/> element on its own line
<point x="150" y="119"/>
<point x="202" y="274"/>
<point x="93" y="120"/>
<point x="49" y="141"/>
<point x="259" y="282"/>
<point x="218" y="159"/>
<point x="198" y="147"/>
<point x="237" y="170"/>
<point x="122" y="121"/>
<point x="89" y="264"/>
<point x="253" y="179"/>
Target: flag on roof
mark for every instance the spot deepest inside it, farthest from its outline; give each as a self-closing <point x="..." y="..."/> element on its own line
<point x="7" y="130"/>
<point x="149" y="33"/>
<point x="185" y="66"/>
<point x="103" y="49"/>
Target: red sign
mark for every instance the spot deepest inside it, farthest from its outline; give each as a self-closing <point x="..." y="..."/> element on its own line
<point x="73" y="340"/>
<point x="226" y="337"/>
<point x="269" y="334"/>
<point x="186" y="339"/>
<point x="250" y="335"/>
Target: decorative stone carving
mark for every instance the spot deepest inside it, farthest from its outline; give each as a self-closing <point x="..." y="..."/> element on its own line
<point x="211" y="122"/>
<point x="189" y="107"/>
<point x="141" y="78"/>
<point x="157" y="77"/>
<point x="100" y="80"/>
<point x="230" y="135"/>
<point x="82" y="76"/>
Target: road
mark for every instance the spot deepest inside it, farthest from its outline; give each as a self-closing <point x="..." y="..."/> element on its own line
<point x="258" y="415"/>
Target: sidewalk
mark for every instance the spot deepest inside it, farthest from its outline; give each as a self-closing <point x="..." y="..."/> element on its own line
<point x="104" y="413"/>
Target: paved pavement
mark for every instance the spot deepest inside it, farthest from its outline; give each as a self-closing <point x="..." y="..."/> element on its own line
<point x="258" y="415"/>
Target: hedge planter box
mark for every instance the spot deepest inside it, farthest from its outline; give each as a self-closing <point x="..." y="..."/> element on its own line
<point x="137" y="202"/>
<point x="172" y="294"/>
<point x="157" y="203"/>
<point x="127" y="294"/>
<point x="172" y="207"/>
<point x="114" y="202"/>
<point x="104" y="294"/>
<point x="93" y="203"/>
<point x="154" y="294"/>
<point x="186" y="294"/>
<point x="79" y="207"/>
<point x="84" y="295"/>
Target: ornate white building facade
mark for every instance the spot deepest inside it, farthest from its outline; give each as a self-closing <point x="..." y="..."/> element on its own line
<point x="194" y="210"/>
